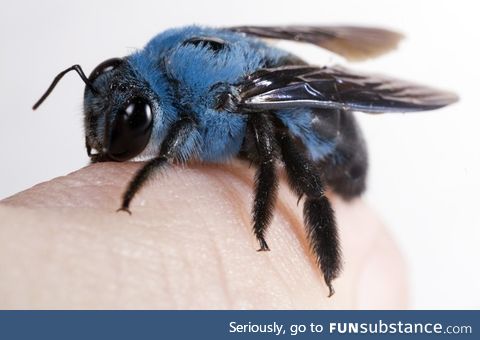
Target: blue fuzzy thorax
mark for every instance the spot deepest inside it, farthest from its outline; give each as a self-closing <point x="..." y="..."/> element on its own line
<point x="185" y="79"/>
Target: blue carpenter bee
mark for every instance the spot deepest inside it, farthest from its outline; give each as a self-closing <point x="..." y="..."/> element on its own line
<point x="213" y="94"/>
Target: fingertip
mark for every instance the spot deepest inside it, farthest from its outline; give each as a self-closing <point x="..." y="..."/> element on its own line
<point x="195" y="226"/>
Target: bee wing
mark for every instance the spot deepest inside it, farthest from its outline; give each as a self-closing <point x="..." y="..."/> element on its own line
<point x="336" y="88"/>
<point x="352" y="42"/>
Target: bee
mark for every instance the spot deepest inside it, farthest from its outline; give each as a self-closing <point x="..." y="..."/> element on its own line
<point x="212" y="94"/>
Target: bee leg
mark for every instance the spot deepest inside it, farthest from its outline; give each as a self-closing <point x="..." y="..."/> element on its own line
<point x="304" y="177"/>
<point x="172" y="147"/>
<point x="266" y="180"/>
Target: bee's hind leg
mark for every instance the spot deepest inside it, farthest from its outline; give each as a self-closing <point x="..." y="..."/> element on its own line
<point x="304" y="177"/>
<point x="266" y="180"/>
<point x="173" y="146"/>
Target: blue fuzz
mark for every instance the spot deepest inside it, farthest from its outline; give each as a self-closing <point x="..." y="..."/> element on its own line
<point x="184" y="79"/>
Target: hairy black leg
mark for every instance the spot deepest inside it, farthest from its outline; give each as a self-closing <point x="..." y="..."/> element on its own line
<point x="171" y="148"/>
<point x="322" y="232"/>
<point x="266" y="181"/>
<point x="305" y="179"/>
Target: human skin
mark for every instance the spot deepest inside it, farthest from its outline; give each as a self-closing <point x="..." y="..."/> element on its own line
<point x="188" y="245"/>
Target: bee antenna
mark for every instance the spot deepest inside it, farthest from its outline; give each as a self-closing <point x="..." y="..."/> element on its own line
<point x="59" y="76"/>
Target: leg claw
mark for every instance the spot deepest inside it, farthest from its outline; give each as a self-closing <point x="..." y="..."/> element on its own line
<point x="263" y="246"/>
<point x="125" y="209"/>
<point x="331" y="290"/>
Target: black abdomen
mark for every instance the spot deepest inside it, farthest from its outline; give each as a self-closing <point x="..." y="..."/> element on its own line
<point x="345" y="170"/>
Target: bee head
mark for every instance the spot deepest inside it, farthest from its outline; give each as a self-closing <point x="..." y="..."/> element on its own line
<point x="118" y="111"/>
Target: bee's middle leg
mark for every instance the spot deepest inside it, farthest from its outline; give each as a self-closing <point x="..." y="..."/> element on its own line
<point x="266" y="180"/>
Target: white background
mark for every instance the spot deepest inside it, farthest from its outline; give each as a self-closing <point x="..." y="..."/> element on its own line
<point x="425" y="167"/>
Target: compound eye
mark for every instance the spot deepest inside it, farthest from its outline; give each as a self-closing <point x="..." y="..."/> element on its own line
<point x="106" y="66"/>
<point x="131" y="130"/>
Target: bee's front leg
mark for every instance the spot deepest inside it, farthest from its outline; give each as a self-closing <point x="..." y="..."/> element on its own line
<point x="173" y="147"/>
